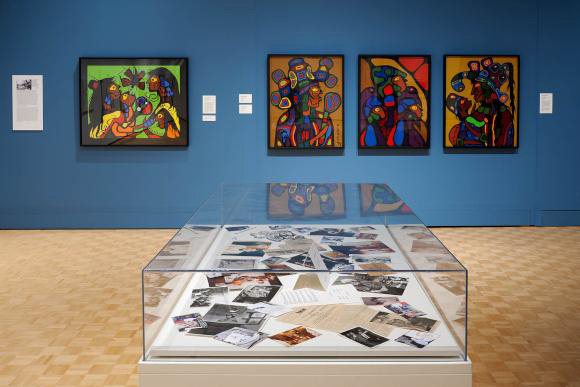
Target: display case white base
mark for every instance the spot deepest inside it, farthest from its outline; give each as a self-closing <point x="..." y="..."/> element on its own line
<point x="293" y="373"/>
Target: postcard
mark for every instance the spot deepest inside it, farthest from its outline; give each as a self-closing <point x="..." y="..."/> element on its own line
<point x="404" y="309"/>
<point x="417" y="323"/>
<point x="188" y="321"/>
<point x="380" y="284"/>
<point x="379" y="300"/>
<point x="337" y="232"/>
<point x="430" y="247"/>
<point x="364" y="336"/>
<point x="247" y="248"/>
<point x="236" y="264"/>
<point x="417" y="339"/>
<point x="271" y="309"/>
<point x="367" y="236"/>
<point x="235" y="315"/>
<point x="175" y="248"/>
<point x="295" y="336"/>
<point x="256" y="293"/>
<point x="301" y="260"/>
<point x="363" y="248"/>
<point x="241" y="337"/>
<point x="207" y="296"/>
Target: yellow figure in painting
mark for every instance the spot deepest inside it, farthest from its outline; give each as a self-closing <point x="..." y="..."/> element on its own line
<point x="481" y="100"/>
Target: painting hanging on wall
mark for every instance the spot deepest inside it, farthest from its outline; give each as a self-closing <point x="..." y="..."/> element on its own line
<point x="305" y="105"/>
<point x="380" y="199"/>
<point x="294" y="200"/>
<point x="134" y="102"/>
<point x="394" y="101"/>
<point x="481" y="101"/>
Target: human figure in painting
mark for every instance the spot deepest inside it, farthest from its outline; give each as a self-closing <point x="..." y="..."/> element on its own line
<point x="300" y="196"/>
<point x="391" y="111"/>
<point x="303" y="124"/>
<point x="117" y="112"/>
<point x="486" y="120"/>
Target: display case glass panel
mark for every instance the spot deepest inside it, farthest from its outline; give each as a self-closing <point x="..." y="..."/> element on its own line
<point x="305" y="271"/>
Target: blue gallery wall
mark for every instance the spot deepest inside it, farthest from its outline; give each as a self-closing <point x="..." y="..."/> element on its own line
<point x="48" y="180"/>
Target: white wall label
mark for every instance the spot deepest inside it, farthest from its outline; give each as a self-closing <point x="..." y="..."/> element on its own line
<point x="245" y="98"/>
<point x="245" y="109"/>
<point x="546" y="103"/>
<point x="27" y="102"/>
<point x="209" y="104"/>
<point x="208" y="117"/>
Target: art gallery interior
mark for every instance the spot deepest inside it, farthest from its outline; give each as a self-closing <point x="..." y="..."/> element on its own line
<point x="312" y="193"/>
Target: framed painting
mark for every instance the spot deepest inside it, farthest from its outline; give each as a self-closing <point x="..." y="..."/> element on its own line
<point x="305" y="102"/>
<point x="394" y="101"/>
<point x="304" y="200"/>
<point x="134" y="101"/>
<point x="380" y="199"/>
<point x="481" y="101"/>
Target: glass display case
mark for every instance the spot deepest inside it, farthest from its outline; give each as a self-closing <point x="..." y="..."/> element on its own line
<point x="295" y="283"/>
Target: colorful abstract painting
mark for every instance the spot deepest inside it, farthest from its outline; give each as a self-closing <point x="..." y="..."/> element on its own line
<point x="380" y="199"/>
<point x="303" y="200"/>
<point x="134" y="101"/>
<point x="394" y="101"/>
<point x="305" y="107"/>
<point x="481" y="101"/>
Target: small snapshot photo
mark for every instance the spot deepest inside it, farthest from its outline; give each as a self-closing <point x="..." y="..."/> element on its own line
<point x="254" y="294"/>
<point x="337" y="232"/>
<point x="207" y="296"/>
<point x="417" y="339"/>
<point x="238" y="315"/>
<point x="404" y="309"/>
<point x="241" y="337"/>
<point x="251" y="248"/>
<point x="387" y="284"/>
<point x="188" y="321"/>
<point x="364" y="336"/>
<point x="295" y="336"/>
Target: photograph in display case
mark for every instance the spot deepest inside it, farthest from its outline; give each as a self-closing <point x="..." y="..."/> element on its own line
<point x="134" y="101"/>
<point x="305" y="105"/>
<point x="482" y="95"/>
<point x="394" y="101"/>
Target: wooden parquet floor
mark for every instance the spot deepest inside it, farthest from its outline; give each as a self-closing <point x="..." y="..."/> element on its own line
<point x="70" y="311"/>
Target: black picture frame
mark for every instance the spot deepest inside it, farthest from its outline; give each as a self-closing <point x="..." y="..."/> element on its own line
<point x="269" y="93"/>
<point x="427" y="97"/>
<point x="179" y="100"/>
<point x="517" y="105"/>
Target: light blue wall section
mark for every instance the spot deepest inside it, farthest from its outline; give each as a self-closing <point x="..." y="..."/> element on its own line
<point x="49" y="181"/>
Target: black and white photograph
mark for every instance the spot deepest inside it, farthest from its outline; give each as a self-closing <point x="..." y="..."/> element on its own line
<point x="254" y="294"/>
<point x="404" y="309"/>
<point x="364" y="336"/>
<point x="275" y="235"/>
<point x="241" y="337"/>
<point x="369" y="259"/>
<point x="337" y="232"/>
<point x="235" y="316"/>
<point x="379" y="301"/>
<point x="338" y="264"/>
<point x="384" y="284"/>
<point x="207" y="296"/>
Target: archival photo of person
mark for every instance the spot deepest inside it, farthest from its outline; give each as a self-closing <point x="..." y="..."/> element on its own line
<point x="254" y="294"/>
<point x="207" y="296"/>
<point x="364" y="336"/>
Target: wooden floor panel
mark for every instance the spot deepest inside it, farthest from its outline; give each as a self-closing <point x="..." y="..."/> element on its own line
<point x="71" y="315"/>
